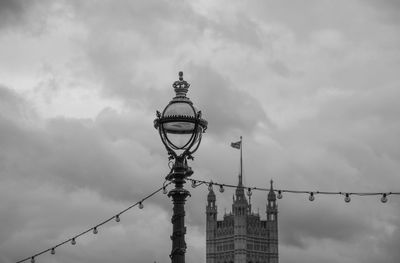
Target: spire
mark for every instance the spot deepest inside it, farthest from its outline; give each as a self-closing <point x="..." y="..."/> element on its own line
<point x="272" y="207"/>
<point x="271" y="194"/>
<point x="240" y="191"/>
<point x="211" y="196"/>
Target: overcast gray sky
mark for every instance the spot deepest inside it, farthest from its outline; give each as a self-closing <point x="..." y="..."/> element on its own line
<point x="312" y="86"/>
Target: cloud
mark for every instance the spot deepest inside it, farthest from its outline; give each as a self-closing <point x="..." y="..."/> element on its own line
<point x="321" y="223"/>
<point x="225" y="107"/>
<point x="13" y="106"/>
<point x="62" y="175"/>
<point x="310" y="86"/>
<point x="12" y="11"/>
<point x="28" y="16"/>
<point x="386" y="10"/>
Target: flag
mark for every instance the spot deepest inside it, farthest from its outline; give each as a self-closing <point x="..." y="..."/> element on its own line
<point x="236" y="145"/>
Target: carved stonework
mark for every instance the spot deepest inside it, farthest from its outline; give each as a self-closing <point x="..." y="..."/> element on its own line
<point x="242" y="236"/>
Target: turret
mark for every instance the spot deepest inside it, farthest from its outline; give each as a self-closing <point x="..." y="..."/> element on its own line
<point x="240" y="206"/>
<point x="272" y="221"/>
<point x="272" y="207"/>
<point x="240" y="209"/>
<point x="211" y="227"/>
<point x="211" y="208"/>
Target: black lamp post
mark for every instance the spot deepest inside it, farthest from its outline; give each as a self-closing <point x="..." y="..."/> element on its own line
<point x="180" y="126"/>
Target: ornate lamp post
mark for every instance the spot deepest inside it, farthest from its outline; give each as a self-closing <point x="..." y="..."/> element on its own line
<point x="181" y="127"/>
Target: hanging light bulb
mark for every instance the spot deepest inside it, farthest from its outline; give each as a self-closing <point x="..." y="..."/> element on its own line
<point x="165" y="191"/>
<point x="279" y="196"/>
<point x="117" y="219"/>
<point x="141" y="205"/>
<point x="210" y="186"/>
<point x="311" y="197"/>
<point x="384" y="198"/>
<point x="194" y="184"/>
<point x="53" y="251"/>
<point x="221" y="188"/>
<point x="32" y="259"/>
<point x="95" y="230"/>
<point x="249" y="193"/>
<point x="347" y="198"/>
<point x="73" y="242"/>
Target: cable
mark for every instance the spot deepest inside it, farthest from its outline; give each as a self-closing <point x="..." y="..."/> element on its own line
<point x="94" y="229"/>
<point x="196" y="182"/>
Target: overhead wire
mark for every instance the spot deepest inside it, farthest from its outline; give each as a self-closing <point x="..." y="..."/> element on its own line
<point x="197" y="182"/>
<point x="95" y="228"/>
<point x="210" y="184"/>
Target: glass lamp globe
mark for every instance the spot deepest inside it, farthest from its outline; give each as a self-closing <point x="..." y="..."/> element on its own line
<point x="180" y="124"/>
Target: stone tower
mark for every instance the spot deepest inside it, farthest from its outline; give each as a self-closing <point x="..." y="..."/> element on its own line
<point x="242" y="237"/>
<point x="211" y="226"/>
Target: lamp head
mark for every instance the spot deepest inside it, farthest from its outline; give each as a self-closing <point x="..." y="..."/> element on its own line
<point x="180" y="124"/>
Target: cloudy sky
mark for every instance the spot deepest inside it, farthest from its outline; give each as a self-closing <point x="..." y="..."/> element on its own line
<point x="312" y="86"/>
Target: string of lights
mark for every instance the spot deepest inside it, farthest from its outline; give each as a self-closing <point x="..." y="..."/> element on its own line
<point x="312" y="194"/>
<point x="210" y="184"/>
<point x="94" y="229"/>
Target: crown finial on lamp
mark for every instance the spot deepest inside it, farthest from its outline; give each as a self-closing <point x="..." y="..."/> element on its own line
<point x="181" y="87"/>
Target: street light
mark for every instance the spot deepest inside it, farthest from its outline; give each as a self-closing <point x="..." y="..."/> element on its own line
<point x="181" y="127"/>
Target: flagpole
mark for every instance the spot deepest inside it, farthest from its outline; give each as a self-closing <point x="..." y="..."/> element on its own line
<point x="241" y="162"/>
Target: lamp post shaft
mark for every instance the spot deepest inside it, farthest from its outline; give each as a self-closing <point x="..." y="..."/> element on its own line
<point x="179" y="195"/>
<point x="180" y="126"/>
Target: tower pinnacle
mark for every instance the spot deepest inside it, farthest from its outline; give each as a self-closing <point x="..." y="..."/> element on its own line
<point x="271" y="194"/>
